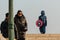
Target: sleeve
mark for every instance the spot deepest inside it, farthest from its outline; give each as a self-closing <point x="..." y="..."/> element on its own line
<point x="26" y="26"/>
<point x="26" y="23"/>
<point x="16" y="21"/>
<point x="46" y="21"/>
<point x="1" y="27"/>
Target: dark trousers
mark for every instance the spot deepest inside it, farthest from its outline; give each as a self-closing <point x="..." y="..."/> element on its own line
<point x="42" y="29"/>
<point x="21" y="36"/>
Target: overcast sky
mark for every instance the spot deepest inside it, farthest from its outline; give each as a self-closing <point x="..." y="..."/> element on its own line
<point x="31" y="9"/>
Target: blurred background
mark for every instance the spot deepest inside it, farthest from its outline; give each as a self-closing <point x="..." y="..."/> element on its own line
<point x="31" y="9"/>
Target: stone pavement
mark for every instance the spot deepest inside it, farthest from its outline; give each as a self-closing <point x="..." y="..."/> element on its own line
<point x="43" y="37"/>
<point x="39" y="37"/>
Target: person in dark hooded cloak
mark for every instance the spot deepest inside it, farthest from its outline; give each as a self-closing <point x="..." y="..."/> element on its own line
<point x="43" y="18"/>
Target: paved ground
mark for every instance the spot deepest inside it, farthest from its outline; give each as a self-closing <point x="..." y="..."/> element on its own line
<point x="43" y="37"/>
<point x="39" y="37"/>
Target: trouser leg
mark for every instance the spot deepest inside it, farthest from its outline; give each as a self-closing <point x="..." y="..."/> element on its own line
<point x="42" y="30"/>
<point x="21" y="36"/>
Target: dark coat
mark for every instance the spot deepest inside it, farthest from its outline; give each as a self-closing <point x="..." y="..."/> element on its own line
<point x="43" y="28"/>
<point x="20" y="25"/>
<point x="4" y="28"/>
<point x="44" y="19"/>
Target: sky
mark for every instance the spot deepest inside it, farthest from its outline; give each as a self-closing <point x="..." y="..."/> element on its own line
<point x="32" y="9"/>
